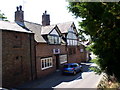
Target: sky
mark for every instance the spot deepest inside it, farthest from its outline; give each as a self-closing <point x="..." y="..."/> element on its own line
<point x="33" y="10"/>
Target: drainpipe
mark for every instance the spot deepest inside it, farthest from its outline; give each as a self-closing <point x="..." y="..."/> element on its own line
<point x="66" y="47"/>
<point x="35" y="45"/>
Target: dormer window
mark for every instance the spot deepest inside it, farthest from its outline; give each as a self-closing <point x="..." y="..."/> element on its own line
<point x="71" y="37"/>
<point x="54" y="38"/>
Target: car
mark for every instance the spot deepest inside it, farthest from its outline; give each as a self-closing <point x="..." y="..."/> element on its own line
<point x="71" y="68"/>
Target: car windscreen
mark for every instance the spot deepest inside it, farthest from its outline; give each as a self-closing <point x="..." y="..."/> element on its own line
<point x="72" y="66"/>
<point x="65" y="66"/>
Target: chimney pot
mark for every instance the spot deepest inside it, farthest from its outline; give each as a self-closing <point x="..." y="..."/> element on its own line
<point x="45" y="12"/>
<point x="17" y="8"/>
<point x="20" y="8"/>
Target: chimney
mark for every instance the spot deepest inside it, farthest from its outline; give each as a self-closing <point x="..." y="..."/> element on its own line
<point x="19" y="14"/>
<point x="45" y="19"/>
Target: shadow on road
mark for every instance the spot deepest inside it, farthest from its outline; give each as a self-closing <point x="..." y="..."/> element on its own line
<point x="86" y="67"/>
<point x="55" y="79"/>
<point x="58" y="78"/>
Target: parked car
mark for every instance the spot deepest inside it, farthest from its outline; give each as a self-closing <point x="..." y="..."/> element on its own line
<point x="72" y="68"/>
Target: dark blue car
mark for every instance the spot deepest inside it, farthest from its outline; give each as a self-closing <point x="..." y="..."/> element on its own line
<point x="72" y="68"/>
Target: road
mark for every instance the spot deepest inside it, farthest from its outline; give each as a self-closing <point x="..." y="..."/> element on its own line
<point x="88" y="79"/>
<point x="85" y="79"/>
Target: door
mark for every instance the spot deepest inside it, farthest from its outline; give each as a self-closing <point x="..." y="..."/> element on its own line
<point x="57" y="62"/>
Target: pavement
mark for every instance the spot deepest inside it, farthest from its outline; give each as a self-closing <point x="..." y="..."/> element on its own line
<point x="57" y="80"/>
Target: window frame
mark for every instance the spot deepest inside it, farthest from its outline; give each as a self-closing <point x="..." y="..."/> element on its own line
<point x="72" y="41"/>
<point x="47" y="62"/>
<point x="54" y="39"/>
<point x="63" y="61"/>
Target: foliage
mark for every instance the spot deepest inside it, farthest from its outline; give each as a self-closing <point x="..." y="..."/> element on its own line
<point x="101" y="20"/>
<point x="2" y="17"/>
<point x="96" y="69"/>
<point x="82" y="35"/>
<point x="108" y="82"/>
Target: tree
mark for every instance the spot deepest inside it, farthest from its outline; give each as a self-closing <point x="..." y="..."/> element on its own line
<point x="102" y="23"/>
<point x="2" y="16"/>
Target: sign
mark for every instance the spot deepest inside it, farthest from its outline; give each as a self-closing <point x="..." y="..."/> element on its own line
<point x="56" y="51"/>
<point x="81" y="50"/>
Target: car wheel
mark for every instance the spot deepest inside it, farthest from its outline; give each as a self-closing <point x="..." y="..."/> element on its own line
<point x="80" y="70"/>
<point x="74" y="72"/>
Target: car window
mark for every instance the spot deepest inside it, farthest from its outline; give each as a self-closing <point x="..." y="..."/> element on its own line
<point x="73" y="66"/>
<point x="65" y="66"/>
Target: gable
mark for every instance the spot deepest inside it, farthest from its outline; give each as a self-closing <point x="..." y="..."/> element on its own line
<point x="73" y="27"/>
<point x="54" y="32"/>
<point x="65" y="27"/>
<point x="71" y="30"/>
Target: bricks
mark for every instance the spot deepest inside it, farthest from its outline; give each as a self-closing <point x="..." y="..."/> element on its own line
<point x="16" y="58"/>
<point x="21" y="57"/>
<point x="46" y="50"/>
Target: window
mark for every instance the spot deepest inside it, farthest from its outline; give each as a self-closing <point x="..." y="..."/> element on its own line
<point x="17" y="41"/>
<point x="18" y="64"/>
<point x="66" y="66"/>
<point x="46" y="63"/>
<point x="72" y="51"/>
<point x="63" y="59"/>
<point x="54" y="39"/>
<point x="71" y="37"/>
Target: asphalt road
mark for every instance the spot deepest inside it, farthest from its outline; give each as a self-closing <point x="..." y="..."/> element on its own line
<point x="88" y="79"/>
<point x="85" y="79"/>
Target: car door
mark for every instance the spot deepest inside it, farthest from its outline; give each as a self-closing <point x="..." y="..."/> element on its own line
<point x="77" y="67"/>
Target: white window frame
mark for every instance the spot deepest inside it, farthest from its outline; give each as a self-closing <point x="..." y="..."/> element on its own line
<point x="48" y="63"/>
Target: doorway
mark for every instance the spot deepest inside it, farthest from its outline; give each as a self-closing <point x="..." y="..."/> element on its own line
<point x="57" y="62"/>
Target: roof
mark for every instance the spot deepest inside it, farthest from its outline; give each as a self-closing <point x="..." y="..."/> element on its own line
<point x="35" y="28"/>
<point x="12" y="26"/>
<point x="47" y="29"/>
<point x="39" y="30"/>
<point x="64" y="27"/>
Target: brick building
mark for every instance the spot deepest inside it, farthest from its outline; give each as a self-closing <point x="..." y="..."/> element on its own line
<point x="48" y="48"/>
<point x="55" y="44"/>
<point x="18" y="58"/>
<point x="30" y="50"/>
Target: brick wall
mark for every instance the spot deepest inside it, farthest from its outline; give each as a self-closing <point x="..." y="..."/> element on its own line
<point x="74" y="54"/>
<point x="17" y="58"/>
<point x="45" y="50"/>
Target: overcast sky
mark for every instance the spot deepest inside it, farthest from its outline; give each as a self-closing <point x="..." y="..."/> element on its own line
<point x="33" y="10"/>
